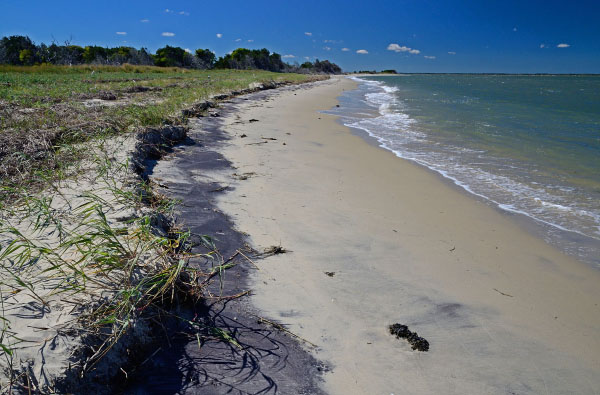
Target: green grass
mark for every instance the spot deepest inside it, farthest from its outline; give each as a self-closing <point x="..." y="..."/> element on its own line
<point x="43" y="109"/>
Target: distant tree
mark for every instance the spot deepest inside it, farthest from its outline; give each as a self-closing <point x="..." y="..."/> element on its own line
<point x="326" y="67"/>
<point x="17" y="50"/>
<point x="243" y="58"/>
<point x="94" y="54"/>
<point x="206" y="58"/>
<point x="72" y="54"/>
<point x="20" y="50"/>
<point x="140" y="56"/>
<point x="26" y="56"/>
<point x="170" y="56"/>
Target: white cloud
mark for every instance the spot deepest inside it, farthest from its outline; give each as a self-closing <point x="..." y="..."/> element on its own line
<point x="121" y="33"/>
<point x="219" y="35"/>
<point x="542" y="45"/>
<point x="237" y="40"/>
<point x="327" y="48"/>
<point x="145" y="20"/>
<point x="451" y="53"/>
<point x="288" y="56"/>
<point x="563" y="45"/>
<point x="307" y="57"/>
<point x="514" y="29"/>
<point x="250" y="41"/>
<point x="168" y="11"/>
<point x="362" y="51"/>
<point x="345" y="49"/>
<point x="308" y="33"/>
<point x="429" y="57"/>
<point x="188" y="50"/>
<point x="168" y="34"/>
<point x="397" y="48"/>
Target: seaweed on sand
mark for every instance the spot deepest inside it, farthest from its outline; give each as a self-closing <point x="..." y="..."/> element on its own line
<point x="416" y="341"/>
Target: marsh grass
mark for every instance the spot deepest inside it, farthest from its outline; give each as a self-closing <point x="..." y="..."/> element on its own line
<point x="45" y="110"/>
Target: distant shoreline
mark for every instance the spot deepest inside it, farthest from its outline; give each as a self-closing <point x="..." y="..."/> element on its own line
<point x="506" y="74"/>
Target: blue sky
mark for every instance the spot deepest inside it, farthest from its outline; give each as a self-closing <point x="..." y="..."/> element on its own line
<point x="412" y="36"/>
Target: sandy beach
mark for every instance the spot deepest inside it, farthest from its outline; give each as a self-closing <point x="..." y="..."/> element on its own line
<point x="503" y="311"/>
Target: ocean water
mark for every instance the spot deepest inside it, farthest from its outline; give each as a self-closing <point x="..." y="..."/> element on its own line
<point x="529" y="145"/>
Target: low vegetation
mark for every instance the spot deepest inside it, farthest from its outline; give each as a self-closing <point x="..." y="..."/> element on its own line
<point x="45" y="110"/>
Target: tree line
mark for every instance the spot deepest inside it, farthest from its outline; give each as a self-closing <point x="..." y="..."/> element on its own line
<point x="21" y="50"/>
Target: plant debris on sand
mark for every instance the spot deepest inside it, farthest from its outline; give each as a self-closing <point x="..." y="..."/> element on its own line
<point x="402" y="332"/>
<point x="274" y="250"/>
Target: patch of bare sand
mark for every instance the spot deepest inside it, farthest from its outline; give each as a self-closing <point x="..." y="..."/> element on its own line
<point x="504" y="312"/>
<point x="42" y="296"/>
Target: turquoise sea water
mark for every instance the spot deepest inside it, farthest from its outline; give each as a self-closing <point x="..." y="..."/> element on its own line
<point x="526" y="144"/>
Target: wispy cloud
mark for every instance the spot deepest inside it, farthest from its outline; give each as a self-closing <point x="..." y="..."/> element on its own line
<point x="219" y="35"/>
<point x="362" y="51"/>
<point x="345" y="49"/>
<point x="308" y="33"/>
<point x="168" y="34"/>
<point x="428" y="57"/>
<point x="237" y="40"/>
<point x="542" y="45"/>
<point x="145" y="20"/>
<point x="121" y="33"/>
<point x="563" y="45"/>
<point x="169" y="11"/>
<point x="451" y="53"/>
<point x="327" y="48"/>
<point x="397" y="48"/>
<point x="288" y="56"/>
<point x="514" y="29"/>
<point x="250" y="41"/>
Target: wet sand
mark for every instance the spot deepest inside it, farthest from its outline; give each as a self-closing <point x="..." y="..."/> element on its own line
<point x="504" y="312"/>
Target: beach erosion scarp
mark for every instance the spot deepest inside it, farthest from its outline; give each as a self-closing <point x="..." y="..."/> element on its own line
<point x="376" y="240"/>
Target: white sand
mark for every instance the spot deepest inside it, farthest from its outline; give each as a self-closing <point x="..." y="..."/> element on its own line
<point x="43" y="328"/>
<point x="405" y="247"/>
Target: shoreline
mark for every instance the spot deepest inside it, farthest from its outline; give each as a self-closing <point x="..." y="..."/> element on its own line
<point x="490" y="312"/>
<point x="570" y="240"/>
<point x="534" y="226"/>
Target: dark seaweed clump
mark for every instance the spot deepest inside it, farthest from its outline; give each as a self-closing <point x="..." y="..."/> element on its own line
<point x="416" y="341"/>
